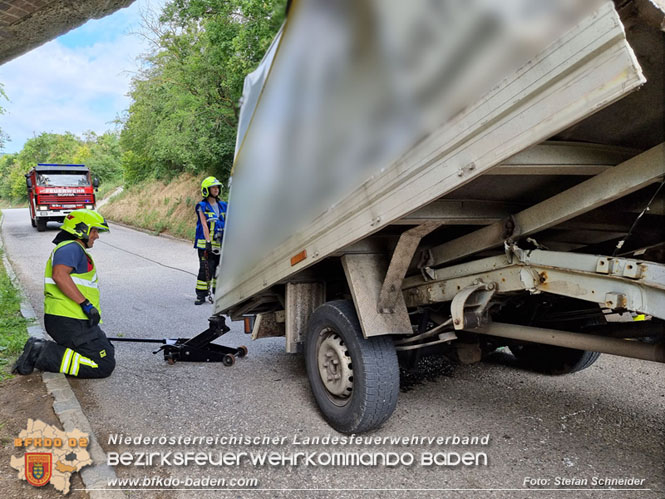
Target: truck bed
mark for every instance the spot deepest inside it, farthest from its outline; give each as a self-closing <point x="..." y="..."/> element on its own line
<point x="486" y="163"/>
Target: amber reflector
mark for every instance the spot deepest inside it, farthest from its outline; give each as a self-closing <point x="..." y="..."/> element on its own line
<point x="298" y="258"/>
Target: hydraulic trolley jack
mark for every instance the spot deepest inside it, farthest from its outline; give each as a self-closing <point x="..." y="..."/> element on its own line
<point x="197" y="349"/>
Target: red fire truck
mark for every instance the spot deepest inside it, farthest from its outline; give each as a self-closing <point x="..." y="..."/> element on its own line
<point x="54" y="190"/>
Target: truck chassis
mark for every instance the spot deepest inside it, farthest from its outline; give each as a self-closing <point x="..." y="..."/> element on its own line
<point x="485" y="234"/>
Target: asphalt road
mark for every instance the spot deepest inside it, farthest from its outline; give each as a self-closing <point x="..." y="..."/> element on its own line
<point x="605" y="422"/>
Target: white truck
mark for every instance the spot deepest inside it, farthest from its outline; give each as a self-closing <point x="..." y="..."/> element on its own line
<point x="455" y="177"/>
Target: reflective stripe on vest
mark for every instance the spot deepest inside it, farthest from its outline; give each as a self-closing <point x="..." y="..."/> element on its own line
<point x="201" y="244"/>
<point x="211" y="222"/>
<point x="78" y="281"/>
<point x="56" y="302"/>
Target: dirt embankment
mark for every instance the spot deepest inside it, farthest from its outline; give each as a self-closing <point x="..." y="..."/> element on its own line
<point x="158" y="206"/>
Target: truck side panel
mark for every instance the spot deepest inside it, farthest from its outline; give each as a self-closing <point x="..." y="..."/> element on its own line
<point x="586" y="69"/>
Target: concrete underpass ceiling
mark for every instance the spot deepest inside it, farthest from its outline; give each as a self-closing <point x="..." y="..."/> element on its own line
<point x="27" y="24"/>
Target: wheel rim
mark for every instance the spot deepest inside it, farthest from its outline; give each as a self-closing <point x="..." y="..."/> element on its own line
<point x="335" y="367"/>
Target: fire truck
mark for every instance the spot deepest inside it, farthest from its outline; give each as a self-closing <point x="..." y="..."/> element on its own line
<point x="55" y="190"/>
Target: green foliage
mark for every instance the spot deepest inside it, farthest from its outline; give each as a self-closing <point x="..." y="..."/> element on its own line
<point x="7" y="165"/>
<point x="48" y="148"/>
<point x="104" y="157"/>
<point x="106" y="188"/>
<point x="3" y="136"/>
<point x="16" y="183"/>
<point x="100" y="153"/>
<point x="184" y="230"/>
<point x="160" y="226"/>
<point x="13" y="334"/>
<point x="134" y="167"/>
<point x="185" y="102"/>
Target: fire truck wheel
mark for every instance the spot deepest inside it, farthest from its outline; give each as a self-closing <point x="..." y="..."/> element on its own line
<point x="41" y="225"/>
<point x="355" y="381"/>
<point x="32" y="221"/>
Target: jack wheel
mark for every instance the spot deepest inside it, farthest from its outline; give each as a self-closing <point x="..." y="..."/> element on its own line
<point x="228" y="360"/>
<point x="243" y="351"/>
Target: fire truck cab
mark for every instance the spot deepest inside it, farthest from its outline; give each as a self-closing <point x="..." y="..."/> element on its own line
<point x="54" y="190"/>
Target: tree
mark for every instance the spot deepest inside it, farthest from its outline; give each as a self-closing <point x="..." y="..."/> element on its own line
<point x="7" y="164"/>
<point x="3" y="136"/>
<point x="102" y="154"/>
<point x="44" y="148"/>
<point x="49" y="148"/>
<point x="184" y="113"/>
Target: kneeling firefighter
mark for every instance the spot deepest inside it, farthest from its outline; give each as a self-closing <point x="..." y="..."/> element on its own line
<point x="210" y="219"/>
<point x="71" y="306"/>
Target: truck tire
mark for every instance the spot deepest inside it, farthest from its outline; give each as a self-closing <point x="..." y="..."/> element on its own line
<point x="41" y="225"/>
<point x="548" y="359"/>
<point x="355" y="381"/>
<point x="32" y="221"/>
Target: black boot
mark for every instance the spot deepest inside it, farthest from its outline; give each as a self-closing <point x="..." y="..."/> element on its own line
<point x="200" y="300"/>
<point x="26" y="362"/>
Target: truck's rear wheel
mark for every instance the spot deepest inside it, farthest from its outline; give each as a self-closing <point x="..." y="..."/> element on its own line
<point x="355" y="381"/>
<point x="41" y="225"/>
<point x="548" y="359"/>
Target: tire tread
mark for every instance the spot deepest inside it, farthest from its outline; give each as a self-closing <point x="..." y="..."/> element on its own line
<point x="378" y="360"/>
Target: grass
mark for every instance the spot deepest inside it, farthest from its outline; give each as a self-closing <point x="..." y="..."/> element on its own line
<point x="161" y="207"/>
<point x="107" y="188"/>
<point x="13" y="332"/>
<point x="9" y="203"/>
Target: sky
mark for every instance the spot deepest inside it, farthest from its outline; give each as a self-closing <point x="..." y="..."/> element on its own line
<point x="77" y="82"/>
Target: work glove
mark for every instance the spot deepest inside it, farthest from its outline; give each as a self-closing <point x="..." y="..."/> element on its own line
<point x="209" y="247"/>
<point x="91" y="312"/>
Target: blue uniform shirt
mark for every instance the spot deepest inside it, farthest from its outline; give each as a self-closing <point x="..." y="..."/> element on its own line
<point x="72" y="255"/>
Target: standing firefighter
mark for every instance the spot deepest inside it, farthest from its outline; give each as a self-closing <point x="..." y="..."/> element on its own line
<point x="211" y="213"/>
<point x="71" y="306"/>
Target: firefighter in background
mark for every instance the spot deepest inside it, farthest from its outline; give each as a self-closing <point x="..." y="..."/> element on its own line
<point x="210" y="218"/>
<point x="71" y="306"/>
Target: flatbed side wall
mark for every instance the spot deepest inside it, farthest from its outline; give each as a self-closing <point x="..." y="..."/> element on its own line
<point x="587" y="69"/>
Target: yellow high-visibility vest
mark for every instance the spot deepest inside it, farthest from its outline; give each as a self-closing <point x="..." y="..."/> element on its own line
<point x="56" y="302"/>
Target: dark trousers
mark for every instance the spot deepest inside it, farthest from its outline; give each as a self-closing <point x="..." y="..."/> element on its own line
<point x="78" y="350"/>
<point x="208" y="263"/>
